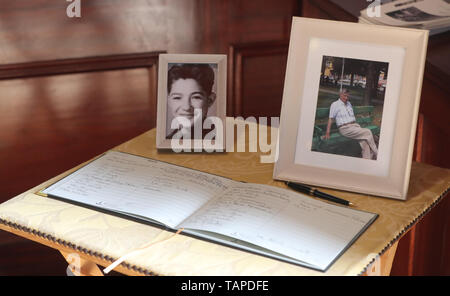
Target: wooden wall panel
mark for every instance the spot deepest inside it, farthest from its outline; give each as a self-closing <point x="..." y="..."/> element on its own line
<point x="24" y="257"/>
<point x="233" y="22"/>
<point x="255" y="35"/>
<point x="445" y="259"/>
<point x="423" y="251"/>
<point x="432" y="142"/>
<point x="256" y="83"/>
<point x="433" y="138"/>
<point x="329" y="9"/>
<point x="40" y="29"/>
<point x="50" y="124"/>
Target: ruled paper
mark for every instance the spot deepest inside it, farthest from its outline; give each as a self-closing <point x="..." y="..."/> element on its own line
<point x="281" y="220"/>
<point x="140" y="186"/>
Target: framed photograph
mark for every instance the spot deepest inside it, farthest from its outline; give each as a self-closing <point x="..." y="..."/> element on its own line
<point x="350" y="106"/>
<point x="191" y="102"/>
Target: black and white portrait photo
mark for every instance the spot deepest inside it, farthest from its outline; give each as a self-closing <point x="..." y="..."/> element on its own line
<point x="190" y="88"/>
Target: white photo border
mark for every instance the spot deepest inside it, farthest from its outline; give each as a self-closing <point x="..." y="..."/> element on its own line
<point x="404" y="50"/>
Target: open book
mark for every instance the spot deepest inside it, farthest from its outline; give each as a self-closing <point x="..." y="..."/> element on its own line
<point x="263" y="219"/>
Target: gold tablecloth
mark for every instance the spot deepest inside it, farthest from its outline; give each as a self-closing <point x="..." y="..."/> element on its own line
<point x="109" y="237"/>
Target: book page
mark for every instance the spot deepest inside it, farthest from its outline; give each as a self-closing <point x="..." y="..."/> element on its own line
<point x="282" y="220"/>
<point x="140" y="186"/>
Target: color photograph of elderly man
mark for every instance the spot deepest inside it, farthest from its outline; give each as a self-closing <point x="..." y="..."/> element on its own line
<point x="349" y="107"/>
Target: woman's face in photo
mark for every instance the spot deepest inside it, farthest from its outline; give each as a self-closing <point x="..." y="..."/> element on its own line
<point x="185" y="96"/>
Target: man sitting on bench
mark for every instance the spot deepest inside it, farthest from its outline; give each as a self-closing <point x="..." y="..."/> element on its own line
<point x="342" y="111"/>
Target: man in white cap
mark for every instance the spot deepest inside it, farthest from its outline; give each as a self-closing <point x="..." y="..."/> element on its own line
<point x="341" y="111"/>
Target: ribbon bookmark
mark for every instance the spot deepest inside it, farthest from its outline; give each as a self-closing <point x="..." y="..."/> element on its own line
<point x="134" y="252"/>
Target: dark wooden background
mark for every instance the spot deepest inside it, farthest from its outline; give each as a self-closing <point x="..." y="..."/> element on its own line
<point x="71" y="88"/>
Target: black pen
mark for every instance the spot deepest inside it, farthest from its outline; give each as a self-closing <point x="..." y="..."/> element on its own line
<point x="317" y="193"/>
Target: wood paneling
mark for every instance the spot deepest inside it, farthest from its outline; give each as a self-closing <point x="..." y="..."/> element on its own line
<point x="256" y="78"/>
<point x="328" y="10"/>
<point x="23" y="257"/>
<point x="49" y="124"/>
<point x="233" y="22"/>
<point x="434" y="123"/>
<point x="78" y="65"/>
<point x="255" y="35"/>
<point x="40" y="30"/>
<point x="430" y="240"/>
<point x="432" y="141"/>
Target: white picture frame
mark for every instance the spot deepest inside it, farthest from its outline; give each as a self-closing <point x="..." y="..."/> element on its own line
<point x="404" y="51"/>
<point x="191" y="67"/>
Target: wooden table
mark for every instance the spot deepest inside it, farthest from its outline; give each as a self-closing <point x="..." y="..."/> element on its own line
<point x="87" y="238"/>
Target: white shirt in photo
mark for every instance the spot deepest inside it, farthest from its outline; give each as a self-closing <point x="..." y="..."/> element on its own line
<point x="342" y="112"/>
